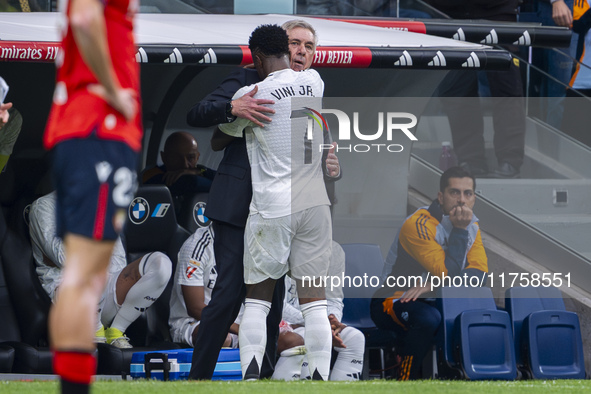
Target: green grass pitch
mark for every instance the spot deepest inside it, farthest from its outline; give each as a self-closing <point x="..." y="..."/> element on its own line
<point x="308" y="387"/>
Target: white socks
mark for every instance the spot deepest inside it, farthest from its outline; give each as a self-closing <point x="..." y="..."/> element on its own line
<point x="156" y="270"/>
<point x="289" y="365"/>
<point x="252" y="337"/>
<point x="349" y="363"/>
<point x="293" y="363"/>
<point x="317" y="339"/>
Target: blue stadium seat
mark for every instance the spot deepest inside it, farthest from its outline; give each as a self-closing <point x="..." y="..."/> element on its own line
<point x="360" y="259"/>
<point x="356" y="313"/>
<point x="483" y="342"/>
<point x="475" y="339"/>
<point x="364" y="259"/>
<point x="548" y="339"/>
<point x="521" y="301"/>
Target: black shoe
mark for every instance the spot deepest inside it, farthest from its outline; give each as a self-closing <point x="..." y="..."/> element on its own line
<point x="478" y="172"/>
<point x="252" y="372"/>
<point x="505" y="171"/>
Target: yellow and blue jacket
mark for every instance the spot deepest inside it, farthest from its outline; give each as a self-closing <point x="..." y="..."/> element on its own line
<point x="428" y="244"/>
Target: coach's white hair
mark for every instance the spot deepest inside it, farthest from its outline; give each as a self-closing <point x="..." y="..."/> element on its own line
<point x="292" y="24"/>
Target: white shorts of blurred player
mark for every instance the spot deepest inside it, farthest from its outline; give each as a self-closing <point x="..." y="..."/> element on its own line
<point x="300" y="243"/>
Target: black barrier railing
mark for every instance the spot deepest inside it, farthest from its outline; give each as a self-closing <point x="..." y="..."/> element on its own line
<point x="335" y="57"/>
<point x="476" y="31"/>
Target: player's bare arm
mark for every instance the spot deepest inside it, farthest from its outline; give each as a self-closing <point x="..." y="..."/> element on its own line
<point x="234" y="328"/>
<point x="88" y="27"/>
<point x="194" y="297"/>
<point x="219" y="140"/>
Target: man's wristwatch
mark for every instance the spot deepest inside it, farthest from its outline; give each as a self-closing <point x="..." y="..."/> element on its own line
<point x="229" y="117"/>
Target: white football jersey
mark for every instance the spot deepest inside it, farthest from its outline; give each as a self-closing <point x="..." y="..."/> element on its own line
<point x="195" y="267"/>
<point x="286" y="164"/>
<point x="45" y="242"/>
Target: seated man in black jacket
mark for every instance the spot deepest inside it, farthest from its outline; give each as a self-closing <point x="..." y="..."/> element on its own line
<point x="180" y="171"/>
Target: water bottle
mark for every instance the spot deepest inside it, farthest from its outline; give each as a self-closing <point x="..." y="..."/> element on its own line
<point x="447" y="158"/>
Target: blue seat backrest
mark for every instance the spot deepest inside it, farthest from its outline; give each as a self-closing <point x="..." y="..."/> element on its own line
<point x="451" y="301"/>
<point x="483" y="341"/>
<point x="362" y="260"/>
<point x="548" y="340"/>
<point x="520" y="302"/>
<point x="454" y="300"/>
<point x="356" y="313"/>
<point x="554" y="345"/>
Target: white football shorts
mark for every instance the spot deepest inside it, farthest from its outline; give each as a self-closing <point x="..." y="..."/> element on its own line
<point x="300" y="243"/>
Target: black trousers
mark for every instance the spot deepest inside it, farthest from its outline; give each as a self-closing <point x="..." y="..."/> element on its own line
<point x="226" y="299"/>
<point x="459" y="96"/>
<point x="420" y="320"/>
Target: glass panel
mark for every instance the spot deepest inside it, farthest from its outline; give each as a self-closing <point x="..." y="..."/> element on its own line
<point x="25" y="5"/>
<point x="389" y="8"/>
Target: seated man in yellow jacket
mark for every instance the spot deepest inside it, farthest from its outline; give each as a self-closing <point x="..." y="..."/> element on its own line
<point x="440" y="240"/>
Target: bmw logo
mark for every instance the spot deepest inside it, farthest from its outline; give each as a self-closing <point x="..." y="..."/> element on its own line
<point x="199" y="215"/>
<point x="138" y="210"/>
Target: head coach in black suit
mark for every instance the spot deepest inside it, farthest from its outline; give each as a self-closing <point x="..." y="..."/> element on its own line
<point x="229" y="199"/>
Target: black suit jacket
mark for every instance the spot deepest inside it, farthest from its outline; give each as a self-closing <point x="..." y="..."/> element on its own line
<point x="231" y="190"/>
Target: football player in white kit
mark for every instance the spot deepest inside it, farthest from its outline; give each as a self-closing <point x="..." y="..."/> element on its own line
<point x="130" y="290"/>
<point x="348" y="342"/>
<point x="289" y="225"/>
<point x="194" y="280"/>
